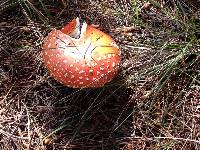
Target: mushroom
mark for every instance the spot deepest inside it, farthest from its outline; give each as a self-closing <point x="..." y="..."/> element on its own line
<point x="80" y="56"/>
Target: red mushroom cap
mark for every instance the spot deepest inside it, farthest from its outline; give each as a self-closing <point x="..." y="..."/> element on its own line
<point x="81" y="58"/>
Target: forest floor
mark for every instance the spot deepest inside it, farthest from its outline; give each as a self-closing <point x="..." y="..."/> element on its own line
<point x="153" y="103"/>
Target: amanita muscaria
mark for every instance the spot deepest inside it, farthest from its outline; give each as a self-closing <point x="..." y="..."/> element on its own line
<point x="81" y="56"/>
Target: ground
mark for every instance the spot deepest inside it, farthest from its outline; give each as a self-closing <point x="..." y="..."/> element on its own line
<point x="153" y="103"/>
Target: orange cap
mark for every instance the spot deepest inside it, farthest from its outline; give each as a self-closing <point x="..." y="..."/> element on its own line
<point x="81" y="57"/>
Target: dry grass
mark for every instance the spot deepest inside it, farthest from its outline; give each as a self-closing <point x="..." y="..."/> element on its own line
<point x="154" y="103"/>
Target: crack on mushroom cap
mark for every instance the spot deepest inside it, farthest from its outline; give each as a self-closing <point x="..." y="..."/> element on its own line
<point x="73" y="48"/>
